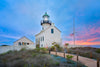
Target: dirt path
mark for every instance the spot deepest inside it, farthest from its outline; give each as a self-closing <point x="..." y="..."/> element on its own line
<point x="87" y="61"/>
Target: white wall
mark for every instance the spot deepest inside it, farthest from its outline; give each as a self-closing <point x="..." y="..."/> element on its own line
<point x="49" y="38"/>
<point x="55" y="37"/>
<point x="4" y="49"/>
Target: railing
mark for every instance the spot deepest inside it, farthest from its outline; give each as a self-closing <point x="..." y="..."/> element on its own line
<point x="87" y="61"/>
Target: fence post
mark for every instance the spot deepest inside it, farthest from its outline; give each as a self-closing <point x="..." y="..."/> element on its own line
<point x="91" y="55"/>
<point x="77" y="58"/>
<point x="49" y="51"/>
<point x="56" y="53"/>
<point x="98" y="62"/>
<point x="64" y="54"/>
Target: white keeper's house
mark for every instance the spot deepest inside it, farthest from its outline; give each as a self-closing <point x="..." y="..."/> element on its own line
<point x="49" y="34"/>
<point x="23" y="41"/>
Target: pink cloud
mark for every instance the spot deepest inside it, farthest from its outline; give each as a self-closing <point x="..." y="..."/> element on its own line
<point x="82" y="42"/>
<point x="86" y="36"/>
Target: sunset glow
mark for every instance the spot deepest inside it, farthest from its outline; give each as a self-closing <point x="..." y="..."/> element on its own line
<point x="20" y="18"/>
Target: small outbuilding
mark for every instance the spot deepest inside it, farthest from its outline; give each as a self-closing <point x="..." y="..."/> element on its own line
<point x="23" y="41"/>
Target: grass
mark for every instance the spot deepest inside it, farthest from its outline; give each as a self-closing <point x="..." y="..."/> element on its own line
<point x="98" y="50"/>
<point x="88" y="52"/>
<point x="29" y="58"/>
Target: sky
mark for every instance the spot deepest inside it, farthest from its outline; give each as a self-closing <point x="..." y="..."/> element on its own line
<point x="20" y="18"/>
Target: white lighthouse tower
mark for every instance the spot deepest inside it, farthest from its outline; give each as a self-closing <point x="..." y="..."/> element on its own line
<point x="49" y="33"/>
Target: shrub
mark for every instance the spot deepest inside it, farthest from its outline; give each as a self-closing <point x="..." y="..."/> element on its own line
<point x="37" y="46"/>
<point x="34" y="54"/>
<point x="98" y="50"/>
<point x="66" y="44"/>
<point x="23" y="49"/>
<point x="52" y="48"/>
<point x="60" y="49"/>
<point x="69" y="56"/>
<point x="9" y="51"/>
<point x="37" y="50"/>
<point x="43" y="50"/>
<point x="40" y="50"/>
<point x="56" y="45"/>
<point x="57" y="63"/>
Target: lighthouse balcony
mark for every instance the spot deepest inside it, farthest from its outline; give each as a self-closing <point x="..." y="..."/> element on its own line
<point x="47" y="22"/>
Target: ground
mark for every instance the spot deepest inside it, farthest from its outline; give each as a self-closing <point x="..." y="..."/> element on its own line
<point x="33" y="58"/>
<point x="89" y="52"/>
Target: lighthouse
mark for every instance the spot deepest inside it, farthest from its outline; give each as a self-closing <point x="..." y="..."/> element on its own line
<point x="49" y="33"/>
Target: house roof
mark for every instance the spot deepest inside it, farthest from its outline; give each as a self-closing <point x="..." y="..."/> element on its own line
<point x="23" y="37"/>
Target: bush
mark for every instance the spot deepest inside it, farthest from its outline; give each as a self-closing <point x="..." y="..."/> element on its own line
<point x="34" y="54"/>
<point x="57" y="46"/>
<point x="52" y="48"/>
<point x="66" y="44"/>
<point x="23" y="49"/>
<point x="9" y="51"/>
<point x="98" y="50"/>
<point x="60" y="49"/>
<point x="37" y="50"/>
<point x="43" y="50"/>
<point x="40" y="50"/>
<point x="69" y="56"/>
<point x="57" y="63"/>
<point x="37" y="46"/>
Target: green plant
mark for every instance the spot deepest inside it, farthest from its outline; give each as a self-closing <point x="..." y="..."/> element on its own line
<point x="23" y="49"/>
<point x="57" y="46"/>
<point x="69" y="56"/>
<point x="34" y="54"/>
<point x="37" y="50"/>
<point x="52" y="48"/>
<point x="57" y="63"/>
<point x="53" y="43"/>
<point x="66" y="44"/>
<point x="60" y="49"/>
<point x="98" y="50"/>
<point x="40" y="50"/>
<point x="37" y="46"/>
<point x="43" y="50"/>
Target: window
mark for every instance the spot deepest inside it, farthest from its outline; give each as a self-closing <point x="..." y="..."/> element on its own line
<point x="43" y="38"/>
<point x="27" y="43"/>
<point x="19" y="43"/>
<point x="41" y="45"/>
<point x="52" y="31"/>
<point x="24" y="43"/>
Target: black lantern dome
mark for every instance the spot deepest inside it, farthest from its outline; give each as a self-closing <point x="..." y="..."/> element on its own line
<point x="45" y="19"/>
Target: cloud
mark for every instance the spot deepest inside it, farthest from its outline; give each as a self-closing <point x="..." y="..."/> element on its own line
<point x="86" y="36"/>
<point x="82" y="42"/>
<point x="10" y="36"/>
<point x="93" y="39"/>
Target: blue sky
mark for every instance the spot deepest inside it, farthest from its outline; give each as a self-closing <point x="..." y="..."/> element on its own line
<point x="22" y="18"/>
